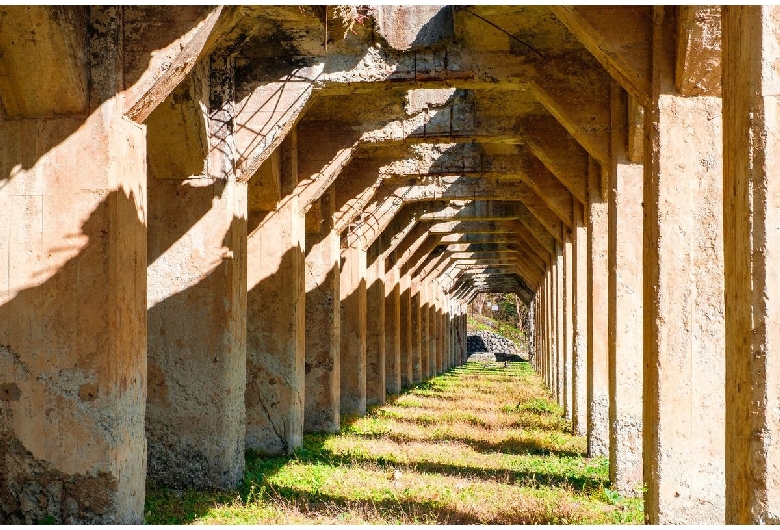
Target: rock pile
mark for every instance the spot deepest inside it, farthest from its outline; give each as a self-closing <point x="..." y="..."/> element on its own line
<point x="482" y="345"/>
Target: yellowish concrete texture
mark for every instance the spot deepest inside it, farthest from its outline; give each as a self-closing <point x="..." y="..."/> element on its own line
<point x="222" y="226"/>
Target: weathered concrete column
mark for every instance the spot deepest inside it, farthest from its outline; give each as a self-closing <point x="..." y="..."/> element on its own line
<point x="545" y="332"/>
<point x="462" y="333"/>
<point x="568" y="324"/>
<point x="446" y="334"/>
<point x="425" y="313"/>
<point x="534" y="316"/>
<point x="196" y="365"/>
<point x="73" y="302"/>
<point x="560" y="325"/>
<point x="353" y="332"/>
<point x="392" y="331"/>
<point x="407" y="333"/>
<point x="598" y="361"/>
<point x="416" y="327"/>
<point x="580" y="299"/>
<point x="323" y="321"/>
<point x="440" y="333"/>
<point x="551" y="346"/>
<point x="451" y="336"/>
<point x="423" y="359"/>
<point x="434" y="331"/>
<point x="625" y="308"/>
<point x="375" y="332"/>
<point x="684" y="418"/>
<point x="276" y="310"/>
<point x="539" y="316"/>
<point x="752" y="251"/>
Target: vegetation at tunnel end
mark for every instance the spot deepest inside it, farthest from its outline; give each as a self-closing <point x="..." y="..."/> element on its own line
<point x="479" y="444"/>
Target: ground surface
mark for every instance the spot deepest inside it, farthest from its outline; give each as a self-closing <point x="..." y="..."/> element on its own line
<point x="479" y="444"/>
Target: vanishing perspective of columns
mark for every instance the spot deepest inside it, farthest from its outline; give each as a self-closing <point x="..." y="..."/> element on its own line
<point x="211" y="243"/>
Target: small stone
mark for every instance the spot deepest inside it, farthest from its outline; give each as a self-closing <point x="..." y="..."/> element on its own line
<point x="71" y="507"/>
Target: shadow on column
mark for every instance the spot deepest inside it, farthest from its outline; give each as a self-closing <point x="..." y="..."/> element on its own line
<point x="72" y="378"/>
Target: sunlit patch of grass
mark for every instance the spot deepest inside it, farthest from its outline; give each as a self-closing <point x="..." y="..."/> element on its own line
<point x="481" y="444"/>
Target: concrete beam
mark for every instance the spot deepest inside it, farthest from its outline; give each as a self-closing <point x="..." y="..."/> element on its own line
<point x="698" y="60"/>
<point x="174" y="39"/>
<point x="551" y="143"/>
<point x="39" y="45"/>
<point x="579" y="100"/>
<point x="619" y="37"/>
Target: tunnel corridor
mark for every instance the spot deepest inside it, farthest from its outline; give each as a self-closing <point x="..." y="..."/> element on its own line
<point x="223" y="227"/>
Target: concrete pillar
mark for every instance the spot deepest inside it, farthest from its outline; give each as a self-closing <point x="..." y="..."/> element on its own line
<point x="545" y="342"/>
<point x="425" y="313"/>
<point x="433" y="331"/>
<point x="196" y="365"/>
<point x="276" y="308"/>
<point x="449" y="356"/>
<point x="375" y="331"/>
<point x="684" y="418"/>
<point x="393" y="332"/>
<point x="625" y="308"/>
<point x="73" y="307"/>
<point x="462" y="334"/>
<point x="560" y="339"/>
<point x="415" y="327"/>
<point x="407" y="332"/>
<point x="752" y="251"/>
<point x="539" y="318"/>
<point x="550" y="331"/>
<point x="323" y="319"/>
<point x="447" y="335"/>
<point x="598" y="362"/>
<point x="439" y="339"/>
<point x="579" y="383"/>
<point x="464" y="323"/>
<point x="568" y="324"/>
<point x="353" y="332"/>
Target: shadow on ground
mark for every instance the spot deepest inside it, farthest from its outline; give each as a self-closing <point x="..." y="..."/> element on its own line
<point x="172" y="506"/>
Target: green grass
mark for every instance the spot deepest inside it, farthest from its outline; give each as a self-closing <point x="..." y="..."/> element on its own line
<point x="479" y="322"/>
<point x="480" y="444"/>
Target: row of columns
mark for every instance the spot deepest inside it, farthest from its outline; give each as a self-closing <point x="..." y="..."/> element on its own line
<point x="325" y="331"/>
<point x="654" y="320"/>
<point x="186" y="322"/>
